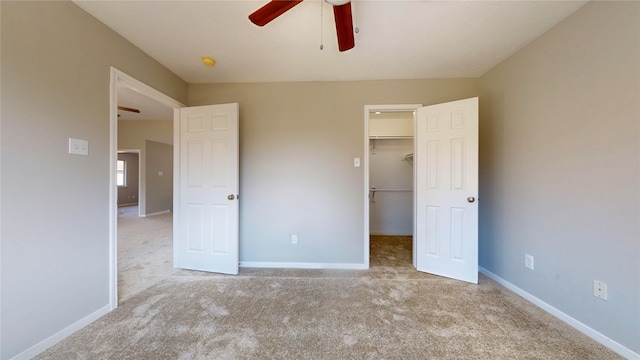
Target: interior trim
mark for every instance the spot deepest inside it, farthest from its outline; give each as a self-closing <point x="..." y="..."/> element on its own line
<point x="576" y="324"/>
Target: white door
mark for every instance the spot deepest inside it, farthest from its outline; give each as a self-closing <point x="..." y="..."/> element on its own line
<point x="446" y="165"/>
<point x="206" y="218"/>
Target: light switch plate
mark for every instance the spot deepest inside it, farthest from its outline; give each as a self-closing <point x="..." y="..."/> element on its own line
<point x="78" y="147"/>
<point x="356" y="162"/>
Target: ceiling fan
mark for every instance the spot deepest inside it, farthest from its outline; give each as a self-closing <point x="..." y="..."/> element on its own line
<point x="124" y="108"/>
<point x="341" y="14"/>
<point x="128" y="109"/>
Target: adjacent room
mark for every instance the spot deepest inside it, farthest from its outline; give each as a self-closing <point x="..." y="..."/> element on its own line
<point x="317" y="211"/>
<point x="144" y="174"/>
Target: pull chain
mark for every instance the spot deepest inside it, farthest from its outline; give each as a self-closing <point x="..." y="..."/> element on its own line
<point x="321" y="24"/>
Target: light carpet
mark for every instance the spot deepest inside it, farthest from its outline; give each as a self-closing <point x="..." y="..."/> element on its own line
<point x="390" y="311"/>
<point x="144" y="251"/>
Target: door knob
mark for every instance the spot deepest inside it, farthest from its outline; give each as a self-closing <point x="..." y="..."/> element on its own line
<point x="471" y="199"/>
<point x="231" y="197"/>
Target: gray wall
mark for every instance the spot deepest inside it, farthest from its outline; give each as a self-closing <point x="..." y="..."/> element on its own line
<point x="297" y="144"/>
<point x="55" y="84"/>
<point x="159" y="169"/>
<point x="133" y="134"/>
<point x="559" y="168"/>
<point x="391" y="212"/>
<point x="128" y="194"/>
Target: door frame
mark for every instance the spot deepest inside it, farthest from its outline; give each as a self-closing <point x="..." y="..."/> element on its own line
<point x="383" y="108"/>
<point x="119" y="78"/>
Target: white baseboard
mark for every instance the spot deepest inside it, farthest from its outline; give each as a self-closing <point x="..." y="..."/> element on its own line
<point x="128" y="204"/>
<point x="288" y="265"/>
<point x="583" y="328"/>
<point x="156" y="213"/>
<point x="62" y="334"/>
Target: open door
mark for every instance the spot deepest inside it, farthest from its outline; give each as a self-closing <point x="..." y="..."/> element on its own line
<point x="206" y="189"/>
<point x="446" y="165"/>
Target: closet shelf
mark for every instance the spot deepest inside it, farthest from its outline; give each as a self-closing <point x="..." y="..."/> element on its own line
<point x="384" y="137"/>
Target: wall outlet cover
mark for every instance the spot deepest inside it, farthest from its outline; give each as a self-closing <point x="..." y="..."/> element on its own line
<point x="528" y="261"/>
<point x="600" y="289"/>
<point x="78" y="147"/>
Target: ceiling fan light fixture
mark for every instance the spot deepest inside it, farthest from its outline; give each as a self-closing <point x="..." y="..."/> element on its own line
<point x="208" y="61"/>
<point x="337" y="2"/>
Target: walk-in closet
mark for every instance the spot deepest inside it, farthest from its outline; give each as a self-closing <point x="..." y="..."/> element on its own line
<point x="391" y="173"/>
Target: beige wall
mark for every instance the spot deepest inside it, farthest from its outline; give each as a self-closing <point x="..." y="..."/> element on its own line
<point x="133" y="134"/>
<point x="559" y="165"/>
<point x="559" y="168"/>
<point x="297" y="144"/>
<point x="159" y="170"/>
<point x="55" y="80"/>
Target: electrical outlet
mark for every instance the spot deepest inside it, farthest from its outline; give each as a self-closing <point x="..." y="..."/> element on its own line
<point x="294" y="239"/>
<point x="528" y="261"/>
<point x="600" y="289"/>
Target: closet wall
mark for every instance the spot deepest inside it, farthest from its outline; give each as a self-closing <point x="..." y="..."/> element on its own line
<point x="391" y="173"/>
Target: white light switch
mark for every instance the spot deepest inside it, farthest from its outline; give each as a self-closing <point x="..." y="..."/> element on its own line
<point x="160" y="173"/>
<point x="356" y="162"/>
<point x="78" y="147"/>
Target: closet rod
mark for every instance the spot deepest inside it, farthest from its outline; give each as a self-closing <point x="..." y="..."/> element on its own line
<point x="372" y="195"/>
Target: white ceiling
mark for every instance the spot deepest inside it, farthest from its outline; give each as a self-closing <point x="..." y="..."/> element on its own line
<point x="396" y="39"/>
<point x="149" y="108"/>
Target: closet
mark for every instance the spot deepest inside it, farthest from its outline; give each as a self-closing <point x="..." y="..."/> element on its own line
<point x="391" y="173"/>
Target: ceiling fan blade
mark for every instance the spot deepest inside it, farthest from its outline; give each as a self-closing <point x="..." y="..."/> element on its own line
<point x="344" y="26"/>
<point x="128" y="109"/>
<point x="272" y="10"/>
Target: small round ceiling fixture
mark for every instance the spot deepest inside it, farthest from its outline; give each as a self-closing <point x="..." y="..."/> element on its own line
<point x="208" y="61"/>
<point x="337" y="2"/>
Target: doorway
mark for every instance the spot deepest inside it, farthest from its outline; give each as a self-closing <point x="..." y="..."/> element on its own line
<point x="391" y="187"/>
<point x="128" y="177"/>
<point x="122" y="83"/>
<point x="445" y="186"/>
<point x="389" y="178"/>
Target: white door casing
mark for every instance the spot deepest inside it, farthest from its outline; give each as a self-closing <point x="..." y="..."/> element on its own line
<point x="446" y="165"/>
<point x="206" y="221"/>
<point x="120" y="79"/>
<point x="369" y="109"/>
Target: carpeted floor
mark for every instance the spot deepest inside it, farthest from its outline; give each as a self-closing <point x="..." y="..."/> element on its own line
<point x="390" y="311"/>
<point x="144" y="251"/>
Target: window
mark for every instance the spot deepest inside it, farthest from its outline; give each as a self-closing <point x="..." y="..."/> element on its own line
<point x="121" y="177"/>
